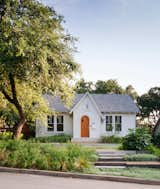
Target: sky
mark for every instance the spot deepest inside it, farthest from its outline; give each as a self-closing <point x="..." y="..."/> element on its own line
<point x="117" y="39"/>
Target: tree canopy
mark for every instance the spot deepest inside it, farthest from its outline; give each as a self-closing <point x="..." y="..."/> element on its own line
<point x="149" y="104"/>
<point x="104" y="87"/>
<point x="35" y="57"/>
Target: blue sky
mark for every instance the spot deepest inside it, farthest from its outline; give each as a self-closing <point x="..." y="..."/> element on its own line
<point x="118" y="39"/>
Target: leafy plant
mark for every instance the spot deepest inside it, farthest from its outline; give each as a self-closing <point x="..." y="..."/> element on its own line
<point x="137" y="139"/>
<point x="55" y="138"/>
<point x="111" y="139"/>
<point x="5" y="135"/>
<point x="156" y="140"/>
<point x="25" y="154"/>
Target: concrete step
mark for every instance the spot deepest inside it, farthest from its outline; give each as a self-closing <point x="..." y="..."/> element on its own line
<point x="110" y="158"/>
<point x="110" y="155"/>
<point x="148" y="164"/>
<point x="110" y="163"/>
<point x="111" y="167"/>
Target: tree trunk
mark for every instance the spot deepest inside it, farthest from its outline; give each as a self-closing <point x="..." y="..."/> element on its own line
<point x="14" y="100"/>
<point x="18" y="128"/>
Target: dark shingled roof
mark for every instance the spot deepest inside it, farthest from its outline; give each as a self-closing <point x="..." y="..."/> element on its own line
<point x="113" y="103"/>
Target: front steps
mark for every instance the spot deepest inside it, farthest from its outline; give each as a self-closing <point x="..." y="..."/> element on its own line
<point x="114" y="159"/>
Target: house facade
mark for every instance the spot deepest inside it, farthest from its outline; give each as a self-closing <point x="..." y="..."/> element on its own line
<point x="90" y="117"/>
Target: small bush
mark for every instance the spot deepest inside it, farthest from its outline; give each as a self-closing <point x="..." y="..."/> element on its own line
<point x="154" y="150"/>
<point x="50" y="139"/>
<point x="156" y="140"/>
<point x="137" y="139"/>
<point x="5" y="135"/>
<point x="24" y="154"/>
<point x="141" y="157"/>
<point x="111" y="139"/>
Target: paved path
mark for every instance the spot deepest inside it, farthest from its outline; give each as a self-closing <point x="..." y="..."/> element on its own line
<point x="25" y="181"/>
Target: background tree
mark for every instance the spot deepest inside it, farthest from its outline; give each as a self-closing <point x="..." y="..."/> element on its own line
<point x="131" y="91"/>
<point x="149" y="104"/>
<point x="83" y="86"/>
<point x="35" y="57"/>
<point x="109" y="86"/>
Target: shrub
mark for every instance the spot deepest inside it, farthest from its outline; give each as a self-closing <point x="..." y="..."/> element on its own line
<point x="141" y="157"/>
<point x="5" y="135"/>
<point x="156" y="140"/>
<point x="50" y="139"/>
<point x="154" y="150"/>
<point x="137" y="139"/>
<point x="111" y="139"/>
<point x="24" y="154"/>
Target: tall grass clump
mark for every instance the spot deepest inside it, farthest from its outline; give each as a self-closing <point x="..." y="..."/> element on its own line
<point x="24" y="154"/>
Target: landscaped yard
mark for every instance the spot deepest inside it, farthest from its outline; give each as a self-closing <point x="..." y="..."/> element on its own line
<point x="145" y="173"/>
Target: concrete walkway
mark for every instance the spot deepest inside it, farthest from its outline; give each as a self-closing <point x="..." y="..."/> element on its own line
<point x="25" y="181"/>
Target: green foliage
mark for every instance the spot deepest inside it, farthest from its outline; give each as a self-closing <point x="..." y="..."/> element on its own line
<point x="104" y="87"/>
<point x="149" y="104"/>
<point x="111" y="139"/>
<point x="55" y="138"/>
<point x="109" y="86"/>
<point x="141" y="157"/>
<point x="137" y="139"/>
<point x="131" y="92"/>
<point x="22" y="154"/>
<point x="5" y="135"/>
<point x="36" y="57"/>
<point x="83" y="86"/>
<point x="154" y="150"/>
<point x="156" y="140"/>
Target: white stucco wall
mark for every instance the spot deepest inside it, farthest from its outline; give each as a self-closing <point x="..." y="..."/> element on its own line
<point x="128" y="122"/>
<point x="41" y="127"/>
<point x="86" y="107"/>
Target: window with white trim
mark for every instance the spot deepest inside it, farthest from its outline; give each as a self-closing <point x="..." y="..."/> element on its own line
<point x="60" y="123"/>
<point x="50" y="120"/>
<point x="109" y="126"/>
<point x="118" y="123"/>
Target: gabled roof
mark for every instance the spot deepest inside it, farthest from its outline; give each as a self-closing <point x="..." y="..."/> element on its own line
<point x="92" y="100"/>
<point x="107" y="103"/>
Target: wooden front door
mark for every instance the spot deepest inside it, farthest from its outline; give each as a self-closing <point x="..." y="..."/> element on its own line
<point x="85" y="126"/>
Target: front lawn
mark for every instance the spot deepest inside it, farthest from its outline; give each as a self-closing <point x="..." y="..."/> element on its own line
<point x="144" y="173"/>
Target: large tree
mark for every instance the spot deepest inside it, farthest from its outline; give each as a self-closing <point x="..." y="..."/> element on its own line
<point x="35" y="56"/>
<point x="130" y="90"/>
<point x="109" y="86"/>
<point x="149" y="104"/>
<point x="83" y="86"/>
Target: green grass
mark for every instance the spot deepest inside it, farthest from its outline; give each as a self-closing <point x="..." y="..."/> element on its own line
<point x="141" y="157"/>
<point x="144" y="173"/>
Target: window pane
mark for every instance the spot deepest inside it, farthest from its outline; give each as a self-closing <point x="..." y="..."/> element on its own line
<point x="118" y="123"/>
<point x="59" y="123"/>
<point x="109" y="123"/>
<point x="50" y="123"/>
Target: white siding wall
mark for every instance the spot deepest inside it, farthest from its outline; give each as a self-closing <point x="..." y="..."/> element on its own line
<point x="41" y="127"/>
<point x="86" y="107"/>
<point x="128" y="122"/>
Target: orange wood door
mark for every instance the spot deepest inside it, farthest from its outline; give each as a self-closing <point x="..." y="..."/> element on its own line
<point x="85" y="126"/>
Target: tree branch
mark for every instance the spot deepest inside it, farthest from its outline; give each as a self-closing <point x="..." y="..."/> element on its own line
<point x="7" y="96"/>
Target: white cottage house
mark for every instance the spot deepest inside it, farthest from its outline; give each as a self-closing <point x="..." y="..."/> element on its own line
<point x="90" y="117"/>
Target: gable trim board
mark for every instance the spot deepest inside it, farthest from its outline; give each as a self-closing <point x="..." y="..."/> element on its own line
<point x="95" y="107"/>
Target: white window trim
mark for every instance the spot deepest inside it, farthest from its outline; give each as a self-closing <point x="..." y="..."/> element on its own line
<point x="114" y="124"/>
<point x="55" y="125"/>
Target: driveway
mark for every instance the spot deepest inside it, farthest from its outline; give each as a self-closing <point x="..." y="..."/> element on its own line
<point x="25" y="181"/>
